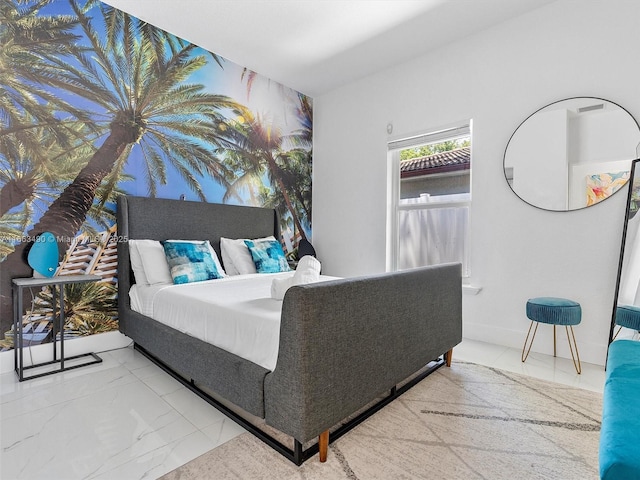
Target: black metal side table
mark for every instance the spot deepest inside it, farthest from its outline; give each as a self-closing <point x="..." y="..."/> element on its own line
<point x="19" y="284"/>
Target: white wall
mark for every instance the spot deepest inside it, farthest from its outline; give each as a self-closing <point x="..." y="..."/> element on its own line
<point x="541" y="168"/>
<point x="497" y="78"/>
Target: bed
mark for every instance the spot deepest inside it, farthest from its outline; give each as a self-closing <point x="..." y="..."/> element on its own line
<point x="346" y="347"/>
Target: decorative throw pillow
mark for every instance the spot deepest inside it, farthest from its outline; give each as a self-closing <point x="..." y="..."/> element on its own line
<point x="267" y="255"/>
<point x="213" y="253"/>
<point x="190" y="262"/>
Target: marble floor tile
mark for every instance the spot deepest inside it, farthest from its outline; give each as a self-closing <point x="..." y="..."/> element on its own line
<point x="79" y="437"/>
<point x="222" y="431"/>
<point x="160" y="460"/>
<point x="161" y="383"/>
<point x="125" y="418"/>
<point x="537" y="365"/>
<point x="194" y="408"/>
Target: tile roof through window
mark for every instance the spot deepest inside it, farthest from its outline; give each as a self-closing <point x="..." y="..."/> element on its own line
<point x="451" y="161"/>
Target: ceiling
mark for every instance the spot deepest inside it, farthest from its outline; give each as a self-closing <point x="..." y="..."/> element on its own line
<point x="315" y="46"/>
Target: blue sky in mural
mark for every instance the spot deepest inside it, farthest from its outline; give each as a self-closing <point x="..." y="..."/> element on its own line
<point x="266" y="99"/>
<point x="223" y="80"/>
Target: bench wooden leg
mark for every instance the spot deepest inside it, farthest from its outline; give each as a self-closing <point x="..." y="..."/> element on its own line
<point x="323" y="445"/>
<point x="447" y="357"/>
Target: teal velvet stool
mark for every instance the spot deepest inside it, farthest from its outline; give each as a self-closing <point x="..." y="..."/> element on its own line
<point x="554" y="311"/>
<point x="627" y="316"/>
<point x="620" y="431"/>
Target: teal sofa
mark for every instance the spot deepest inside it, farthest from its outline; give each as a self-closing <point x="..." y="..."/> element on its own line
<point x="619" y="455"/>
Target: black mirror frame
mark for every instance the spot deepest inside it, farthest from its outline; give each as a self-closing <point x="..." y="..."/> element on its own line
<point x="504" y="157"/>
<point x="635" y="165"/>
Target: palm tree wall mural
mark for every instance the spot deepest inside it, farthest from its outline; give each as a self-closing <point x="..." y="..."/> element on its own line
<point x="96" y="103"/>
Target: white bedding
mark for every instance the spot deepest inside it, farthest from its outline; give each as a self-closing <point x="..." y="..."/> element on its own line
<point x="235" y="313"/>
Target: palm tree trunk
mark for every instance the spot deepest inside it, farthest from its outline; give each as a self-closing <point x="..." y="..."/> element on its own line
<point x="287" y="200"/>
<point x="65" y="215"/>
<point x="298" y="195"/>
<point x="16" y="191"/>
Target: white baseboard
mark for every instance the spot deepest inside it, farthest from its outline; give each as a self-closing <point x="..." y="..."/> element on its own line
<point x="589" y="352"/>
<point x="40" y="353"/>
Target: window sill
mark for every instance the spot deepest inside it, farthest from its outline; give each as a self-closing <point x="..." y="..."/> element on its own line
<point x="471" y="289"/>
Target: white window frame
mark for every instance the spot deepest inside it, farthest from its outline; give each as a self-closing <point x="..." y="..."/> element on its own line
<point x="394" y="146"/>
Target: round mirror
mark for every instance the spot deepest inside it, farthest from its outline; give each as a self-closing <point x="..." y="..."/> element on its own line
<point x="572" y="154"/>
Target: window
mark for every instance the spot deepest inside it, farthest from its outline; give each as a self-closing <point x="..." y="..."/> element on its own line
<point x="430" y="199"/>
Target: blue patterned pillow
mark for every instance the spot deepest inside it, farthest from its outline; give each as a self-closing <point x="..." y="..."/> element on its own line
<point x="190" y="262"/>
<point x="267" y="255"/>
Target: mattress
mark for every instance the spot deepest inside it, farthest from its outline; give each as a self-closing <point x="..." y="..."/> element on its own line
<point x="235" y="313"/>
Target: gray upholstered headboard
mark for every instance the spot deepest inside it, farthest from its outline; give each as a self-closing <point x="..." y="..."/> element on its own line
<point x="162" y="219"/>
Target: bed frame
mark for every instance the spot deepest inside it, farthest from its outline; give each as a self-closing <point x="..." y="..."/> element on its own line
<point x="347" y="347"/>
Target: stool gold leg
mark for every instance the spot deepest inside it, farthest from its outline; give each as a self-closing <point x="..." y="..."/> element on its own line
<point x="554" y="340"/>
<point x="614" y="337"/>
<point x="576" y="365"/>
<point x="525" y="355"/>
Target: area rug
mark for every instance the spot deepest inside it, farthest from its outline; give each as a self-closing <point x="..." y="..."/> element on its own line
<point x="464" y="422"/>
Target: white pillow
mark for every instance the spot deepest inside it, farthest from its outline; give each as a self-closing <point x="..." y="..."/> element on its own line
<point x="216" y="260"/>
<point x="136" y="263"/>
<point x="236" y="256"/>
<point x="154" y="261"/>
<point x="226" y="259"/>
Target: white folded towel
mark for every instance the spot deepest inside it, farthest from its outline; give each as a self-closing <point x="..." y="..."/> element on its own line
<point x="307" y="271"/>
